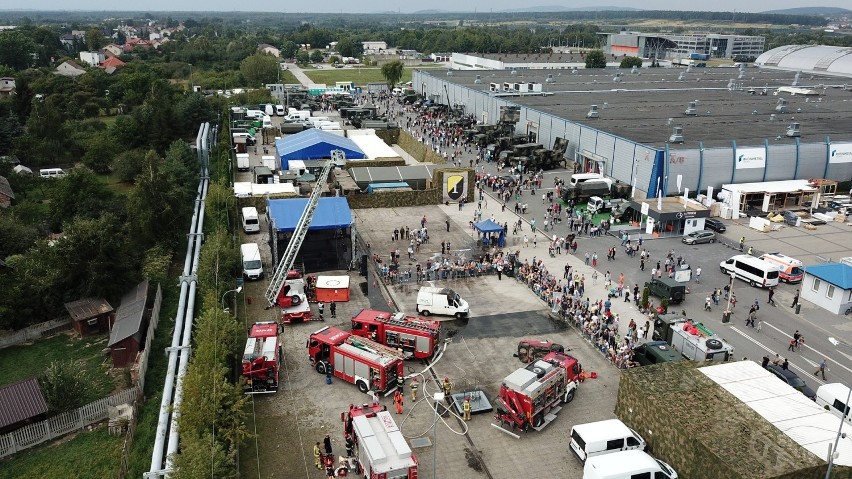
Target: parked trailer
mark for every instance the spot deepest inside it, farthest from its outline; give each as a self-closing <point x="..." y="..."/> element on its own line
<point x="380" y="450"/>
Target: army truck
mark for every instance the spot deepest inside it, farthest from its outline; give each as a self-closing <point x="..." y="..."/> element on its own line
<point x="586" y="190"/>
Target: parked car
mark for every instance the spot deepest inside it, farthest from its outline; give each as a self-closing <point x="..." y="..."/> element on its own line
<point x="714" y="224"/>
<point x="792" y="379"/>
<point x="702" y="236"/>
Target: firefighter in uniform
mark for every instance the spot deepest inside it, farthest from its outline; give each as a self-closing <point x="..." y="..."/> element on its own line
<point x="317" y="454"/>
<point x="397" y="401"/>
<point x="466" y="408"/>
<point x="447" y="386"/>
<point x="350" y="445"/>
<point x="400" y="384"/>
<point x="413" y="387"/>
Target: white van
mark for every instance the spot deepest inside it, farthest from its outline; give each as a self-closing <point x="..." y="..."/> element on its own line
<point x="252" y="264"/>
<point x="578" y="178"/>
<point x="280" y="111"/>
<point x="603" y="437"/>
<point x="267" y="121"/>
<point x="432" y="300"/>
<point x="248" y="216"/>
<point x="832" y="396"/>
<point x="269" y="109"/>
<point x="51" y="173"/>
<point x="627" y="465"/>
<point x="752" y="270"/>
<point x="254" y="114"/>
<point x="242" y="161"/>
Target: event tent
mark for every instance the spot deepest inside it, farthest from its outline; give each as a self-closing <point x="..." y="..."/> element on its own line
<point x="331" y="213"/>
<point x="487" y="228"/>
<point x="313" y="144"/>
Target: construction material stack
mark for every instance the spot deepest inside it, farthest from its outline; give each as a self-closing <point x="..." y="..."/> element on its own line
<point x="360" y="361"/>
<point x="530" y="397"/>
<point x="417" y="338"/>
<point x="380" y="451"/>
<point x="262" y="358"/>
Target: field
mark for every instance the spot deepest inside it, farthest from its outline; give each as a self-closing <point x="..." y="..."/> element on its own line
<point x="361" y="76"/>
<point x="84" y="455"/>
<point x="288" y="77"/>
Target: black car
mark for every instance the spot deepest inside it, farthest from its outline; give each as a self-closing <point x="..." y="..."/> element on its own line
<point x="714" y="224"/>
<point x="792" y="379"/>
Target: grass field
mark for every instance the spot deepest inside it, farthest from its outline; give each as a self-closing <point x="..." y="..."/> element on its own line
<point x="288" y="77"/>
<point x="83" y="456"/>
<point x="25" y="361"/>
<point x="361" y="76"/>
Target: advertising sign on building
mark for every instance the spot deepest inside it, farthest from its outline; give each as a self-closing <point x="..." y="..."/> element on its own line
<point x="455" y="185"/>
<point x="841" y="153"/>
<point x="751" y="158"/>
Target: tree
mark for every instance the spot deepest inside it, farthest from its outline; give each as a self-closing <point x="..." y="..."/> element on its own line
<point x="100" y="150"/>
<point x="64" y="385"/>
<point x="10" y="129"/>
<point x="595" y="59"/>
<point x="392" y="72"/>
<point x="16" y="49"/>
<point x="81" y="194"/>
<point x="260" y="69"/>
<point x="302" y="57"/>
<point x="630" y="62"/>
<point x="193" y="110"/>
<point x="288" y="49"/>
<point x="128" y="164"/>
<point x="349" y="48"/>
<point x="95" y="39"/>
<point x="334" y="59"/>
<point x="316" y="56"/>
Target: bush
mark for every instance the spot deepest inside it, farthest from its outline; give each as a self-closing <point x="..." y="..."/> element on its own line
<point x="646" y="293"/>
<point x="64" y="385"/>
<point x="630" y="62"/>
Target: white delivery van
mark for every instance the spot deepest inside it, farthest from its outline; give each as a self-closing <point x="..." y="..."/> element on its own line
<point x="298" y="116"/>
<point x="51" y="173"/>
<point x="752" y="270"/>
<point x="243" y="161"/>
<point x="267" y="121"/>
<point x="251" y="223"/>
<point x="432" y="300"/>
<point x="578" y="178"/>
<point x="603" y="437"/>
<point x="832" y="397"/>
<point x="317" y="120"/>
<point x="280" y="111"/>
<point x="254" y="114"/>
<point x="627" y="465"/>
<point x="269" y="109"/>
<point x="252" y="264"/>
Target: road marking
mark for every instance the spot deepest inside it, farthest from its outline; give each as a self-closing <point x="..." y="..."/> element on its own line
<point x="814" y="364"/>
<point x="770" y="351"/>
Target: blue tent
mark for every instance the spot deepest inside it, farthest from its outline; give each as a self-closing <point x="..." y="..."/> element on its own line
<point x="487" y="228"/>
<point x="314" y="144"/>
<point x="331" y="213"/>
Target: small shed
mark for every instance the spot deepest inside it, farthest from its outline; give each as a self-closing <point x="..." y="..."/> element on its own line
<point x="332" y="288"/>
<point x="90" y="315"/>
<point x="21" y="403"/>
<point x="6" y="193"/>
<point x="829" y="286"/>
<point x="131" y="319"/>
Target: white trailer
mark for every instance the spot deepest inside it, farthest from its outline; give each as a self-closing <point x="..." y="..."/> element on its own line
<point x="381" y="450"/>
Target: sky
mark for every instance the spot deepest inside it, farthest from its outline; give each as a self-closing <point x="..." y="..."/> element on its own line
<point x="371" y="6"/>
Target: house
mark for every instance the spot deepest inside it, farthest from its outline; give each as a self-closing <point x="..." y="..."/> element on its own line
<point x="374" y="47"/>
<point x="829" y="285"/>
<point x="7" y="86"/>
<point x="6" y="193"/>
<point x="266" y="48"/>
<point x="21" y="403"/>
<point x="131" y="319"/>
<point x="111" y="63"/>
<point x="67" y="40"/>
<point x="114" y="49"/>
<point x="92" y="58"/>
<point x="90" y="315"/>
<point x="440" y="57"/>
<point x="70" y="69"/>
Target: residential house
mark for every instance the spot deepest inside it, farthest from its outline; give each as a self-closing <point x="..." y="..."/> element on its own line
<point x="128" y="334"/>
<point x="92" y="58"/>
<point x="67" y="40"/>
<point x="266" y="48"/>
<point x="6" y="193"/>
<point x="21" y="403"/>
<point x="70" y="69"/>
<point x="91" y="315"/>
<point x="7" y="86"/>
<point x="114" y="49"/>
<point x="374" y="47"/>
<point x="111" y="63"/>
<point x="829" y="286"/>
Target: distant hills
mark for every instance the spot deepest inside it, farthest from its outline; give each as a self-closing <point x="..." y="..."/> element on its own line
<point x="537" y="9"/>
<point x="811" y="11"/>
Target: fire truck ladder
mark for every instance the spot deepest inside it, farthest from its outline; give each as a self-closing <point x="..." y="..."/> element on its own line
<point x="399" y="320"/>
<point x="289" y="258"/>
<point x="372" y="346"/>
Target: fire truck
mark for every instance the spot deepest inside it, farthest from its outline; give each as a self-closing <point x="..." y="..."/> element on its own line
<point x="293" y="300"/>
<point x="262" y="358"/>
<point x="418" y="338"/>
<point x="354" y="359"/>
<point x="530" y="397"/>
<point x="381" y="451"/>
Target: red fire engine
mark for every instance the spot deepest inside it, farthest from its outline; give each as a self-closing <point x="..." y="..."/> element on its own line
<point x="530" y="396"/>
<point x="380" y="450"/>
<point x="418" y="338"/>
<point x="262" y="358"/>
<point x="293" y="300"/>
<point x="360" y="361"/>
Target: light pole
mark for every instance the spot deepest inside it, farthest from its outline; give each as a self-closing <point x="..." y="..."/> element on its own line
<point x="237" y="291"/>
<point x="833" y="451"/>
<point x="439" y="400"/>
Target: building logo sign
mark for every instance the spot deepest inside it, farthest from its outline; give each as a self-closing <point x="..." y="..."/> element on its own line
<point x="841" y="153"/>
<point x="455" y="186"/>
<point x="751" y="158"/>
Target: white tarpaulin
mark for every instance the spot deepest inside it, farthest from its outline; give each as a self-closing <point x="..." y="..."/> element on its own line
<point x="246" y="189"/>
<point x="751" y="158"/>
<point x="841" y="153"/>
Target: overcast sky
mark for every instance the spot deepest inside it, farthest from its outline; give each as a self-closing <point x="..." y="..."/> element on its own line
<point x="369" y="6"/>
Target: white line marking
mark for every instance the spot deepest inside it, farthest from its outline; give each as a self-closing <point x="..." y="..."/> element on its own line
<point x="802" y="371"/>
<point x="836" y="363"/>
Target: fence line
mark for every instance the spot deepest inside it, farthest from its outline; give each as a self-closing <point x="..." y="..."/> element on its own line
<point x="142" y="366"/>
<point x="64" y="423"/>
<point x="35" y="331"/>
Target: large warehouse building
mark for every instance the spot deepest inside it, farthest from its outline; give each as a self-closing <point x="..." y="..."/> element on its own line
<point x="738" y="126"/>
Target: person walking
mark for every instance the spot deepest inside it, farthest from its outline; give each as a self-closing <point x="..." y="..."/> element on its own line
<point x="795" y="299"/>
<point x="317" y="454"/>
<point x="587" y="258"/>
<point x="771" y="295"/>
<point x="333" y="309"/>
<point x="397" y="401"/>
<point x="466" y="408"/>
<point x="447" y="386"/>
<point x="400" y="383"/>
<point x="822" y="367"/>
<point x="321" y="308"/>
<point x="752" y="315"/>
<point x="448" y="225"/>
<point x="499" y="271"/>
<point x="327" y="444"/>
<point x="698" y="274"/>
<point x="413" y="386"/>
<point x="796" y="338"/>
<point x="594" y="260"/>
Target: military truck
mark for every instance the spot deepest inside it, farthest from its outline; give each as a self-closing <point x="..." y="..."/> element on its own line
<point x="585" y="190"/>
<point x="691" y="339"/>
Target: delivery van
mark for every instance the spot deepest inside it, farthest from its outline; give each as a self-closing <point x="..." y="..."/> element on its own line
<point x="603" y="437"/>
<point x="251" y="223"/>
<point x="252" y="263"/>
<point x="756" y="272"/>
<point x="243" y="161"/>
<point x="269" y="109"/>
<point x="627" y="465"/>
<point x="297" y="116"/>
<point x="432" y="300"/>
<point x="280" y="111"/>
<point x="790" y="270"/>
<point x="51" y="173"/>
<point x="267" y="121"/>
<point x="833" y="397"/>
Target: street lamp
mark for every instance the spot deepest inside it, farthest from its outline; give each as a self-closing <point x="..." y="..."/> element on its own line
<point x="439" y="400"/>
<point x="726" y="316"/>
<point x="237" y="291"/>
<point x="833" y="451"/>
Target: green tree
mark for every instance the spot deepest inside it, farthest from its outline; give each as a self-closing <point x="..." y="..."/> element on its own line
<point x="316" y="56"/>
<point x="595" y="59"/>
<point x="15" y="236"/>
<point x="349" y="47"/>
<point x="64" y="385"/>
<point x="128" y="164"/>
<point x="100" y="150"/>
<point x="95" y="38"/>
<point x="81" y="194"/>
<point x="392" y="72"/>
<point x="334" y="60"/>
<point x="16" y="49"/>
<point x="302" y="57"/>
<point x="10" y="130"/>
<point x="260" y="69"/>
<point x="193" y="110"/>
<point x="630" y="62"/>
<point x="288" y="49"/>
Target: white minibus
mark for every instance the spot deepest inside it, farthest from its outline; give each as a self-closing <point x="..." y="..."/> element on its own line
<point x="754" y="271"/>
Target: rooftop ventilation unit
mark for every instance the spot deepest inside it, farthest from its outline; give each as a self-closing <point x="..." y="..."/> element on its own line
<point x="575" y="71"/>
<point x="754" y="112"/>
<point x="681" y="76"/>
<point x="593" y="112"/>
<point x="798" y="110"/>
<point x="513" y="72"/>
<point x="677" y="135"/>
<point x="549" y="78"/>
<point x="449" y="73"/>
<point x="478" y="80"/>
<point x="794" y="130"/>
<point x="772" y="117"/>
<point x="781" y="106"/>
<point x="606" y="105"/>
<point x="796" y="78"/>
<point x="690" y="109"/>
<point x="670" y="122"/>
<point x="634" y="70"/>
<point x="616" y="78"/>
<point x="689" y="69"/>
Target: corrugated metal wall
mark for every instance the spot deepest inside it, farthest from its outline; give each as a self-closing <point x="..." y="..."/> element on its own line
<point x="717" y="167"/>
<point x="780" y="162"/>
<point x="812" y="161"/>
<point x="686" y="163"/>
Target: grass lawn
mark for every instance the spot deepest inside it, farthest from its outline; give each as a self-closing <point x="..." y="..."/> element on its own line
<point x="288" y="77"/>
<point x="84" y="455"/>
<point x="361" y="76"/>
<point x="25" y="361"/>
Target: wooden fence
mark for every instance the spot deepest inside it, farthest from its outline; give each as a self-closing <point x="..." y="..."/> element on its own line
<point x="35" y="331"/>
<point x="138" y="371"/>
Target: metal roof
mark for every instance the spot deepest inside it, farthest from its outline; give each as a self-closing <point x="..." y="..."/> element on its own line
<point x="387" y="174"/>
<point x="20" y="401"/>
<point x="6" y="188"/>
<point x="838" y="274"/>
<point x="808" y="58"/>
<point x="130" y="314"/>
<point x="87" y="308"/>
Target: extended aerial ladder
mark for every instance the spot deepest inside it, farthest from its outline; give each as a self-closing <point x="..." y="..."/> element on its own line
<point x="276" y="283"/>
<point x="400" y="319"/>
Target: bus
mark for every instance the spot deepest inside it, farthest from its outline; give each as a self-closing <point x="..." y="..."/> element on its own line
<point x="756" y="272"/>
<point x="790" y="269"/>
